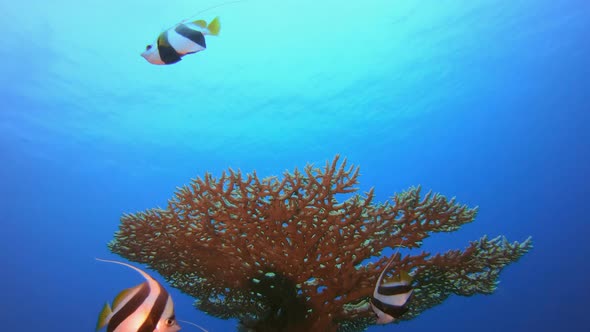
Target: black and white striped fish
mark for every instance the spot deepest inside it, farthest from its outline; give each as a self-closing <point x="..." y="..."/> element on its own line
<point x="390" y="300"/>
<point x="180" y="40"/>
<point x="146" y="307"/>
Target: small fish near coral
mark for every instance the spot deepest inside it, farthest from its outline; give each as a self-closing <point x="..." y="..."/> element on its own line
<point x="390" y="300"/>
<point x="146" y="307"/>
<point x="180" y="40"/>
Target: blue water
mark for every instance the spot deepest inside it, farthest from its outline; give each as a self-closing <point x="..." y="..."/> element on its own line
<point x="487" y="101"/>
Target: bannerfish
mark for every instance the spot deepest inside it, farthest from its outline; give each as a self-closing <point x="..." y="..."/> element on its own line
<point x="146" y="307"/>
<point x="389" y="300"/>
<point x="180" y="40"/>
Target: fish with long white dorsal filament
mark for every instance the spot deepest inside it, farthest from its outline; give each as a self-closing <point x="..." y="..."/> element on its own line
<point x="146" y="307"/>
<point x="180" y="40"/>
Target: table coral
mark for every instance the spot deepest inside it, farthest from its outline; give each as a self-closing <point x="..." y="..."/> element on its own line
<point x="303" y="252"/>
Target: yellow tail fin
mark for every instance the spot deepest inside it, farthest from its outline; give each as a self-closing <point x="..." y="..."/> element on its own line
<point x="214" y="27"/>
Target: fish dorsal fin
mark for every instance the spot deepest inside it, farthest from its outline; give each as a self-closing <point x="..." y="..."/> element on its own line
<point x="387" y="266"/>
<point x="140" y="271"/>
<point x="402" y="277"/>
<point x="212" y="7"/>
<point x="214" y="27"/>
<point x="380" y="280"/>
<point x="405" y="277"/>
<point x="123" y="296"/>
<point x="200" y="23"/>
<point x="193" y="324"/>
<point x="104" y="316"/>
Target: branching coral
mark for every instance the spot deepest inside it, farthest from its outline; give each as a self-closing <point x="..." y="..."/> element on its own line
<point x="287" y="255"/>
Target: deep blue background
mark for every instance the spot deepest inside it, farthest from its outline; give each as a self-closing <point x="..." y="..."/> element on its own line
<point x="488" y="102"/>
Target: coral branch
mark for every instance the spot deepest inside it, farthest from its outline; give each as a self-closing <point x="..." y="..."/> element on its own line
<point x="290" y="254"/>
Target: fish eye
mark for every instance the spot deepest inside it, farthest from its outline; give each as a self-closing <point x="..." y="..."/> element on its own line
<point x="169" y="322"/>
<point x="147" y="48"/>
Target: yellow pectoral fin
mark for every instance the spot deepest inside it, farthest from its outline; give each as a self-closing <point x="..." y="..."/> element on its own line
<point x="200" y="23"/>
<point x="214" y="27"/>
<point x="103" y="317"/>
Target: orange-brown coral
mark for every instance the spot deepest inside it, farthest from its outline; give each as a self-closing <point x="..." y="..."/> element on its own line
<point x="287" y="255"/>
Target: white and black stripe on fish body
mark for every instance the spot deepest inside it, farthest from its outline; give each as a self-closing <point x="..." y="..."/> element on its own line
<point x="146" y="307"/>
<point x="183" y="39"/>
<point x="389" y="300"/>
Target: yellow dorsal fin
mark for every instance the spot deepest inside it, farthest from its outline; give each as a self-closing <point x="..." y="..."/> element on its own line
<point x="124" y="294"/>
<point x="103" y="317"/>
<point x="405" y="277"/>
<point x="214" y="27"/>
<point x="401" y="277"/>
<point x="200" y="23"/>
